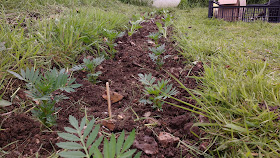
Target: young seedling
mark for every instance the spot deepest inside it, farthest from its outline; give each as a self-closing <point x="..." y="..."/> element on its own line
<point x="90" y="66"/>
<point x="41" y="87"/>
<point x="135" y="24"/>
<point x="157" y="55"/>
<point x="83" y="141"/>
<point x="167" y="22"/>
<point x="156" y="92"/>
<point x="155" y="36"/>
<point x="109" y="38"/>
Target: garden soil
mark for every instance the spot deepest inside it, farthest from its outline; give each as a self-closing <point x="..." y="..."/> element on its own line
<point x="23" y="136"/>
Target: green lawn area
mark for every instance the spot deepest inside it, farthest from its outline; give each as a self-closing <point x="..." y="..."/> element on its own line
<point x="240" y="86"/>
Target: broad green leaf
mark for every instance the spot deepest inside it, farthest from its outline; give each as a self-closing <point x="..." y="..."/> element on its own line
<point x="89" y="127"/>
<point x="112" y="146"/>
<point x="74" y="154"/>
<point x="128" y="153"/>
<point x="4" y="103"/>
<point x="120" y="143"/>
<point x="69" y="145"/>
<point x="73" y="121"/>
<point x="68" y="136"/>
<point x="83" y="123"/>
<point x="70" y="130"/>
<point x="97" y="153"/>
<point x="76" y="85"/>
<point x="236" y="128"/>
<point x="92" y="136"/>
<point x="95" y="145"/>
<point x="106" y="150"/>
<point x="138" y="155"/>
<point x="129" y="141"/>
<point x="159" y="25"/>
<point x="22" y="73"/>
<point x="16" y="75"/>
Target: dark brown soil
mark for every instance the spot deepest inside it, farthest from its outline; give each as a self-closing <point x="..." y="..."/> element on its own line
<point x="28" y="137"/>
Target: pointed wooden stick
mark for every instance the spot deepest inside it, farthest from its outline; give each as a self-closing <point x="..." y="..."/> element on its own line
<point x="109" y="100"/>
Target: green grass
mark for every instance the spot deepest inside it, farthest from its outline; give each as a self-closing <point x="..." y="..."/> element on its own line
<point x="57" y="38"/>
<point x="240" y="84"/>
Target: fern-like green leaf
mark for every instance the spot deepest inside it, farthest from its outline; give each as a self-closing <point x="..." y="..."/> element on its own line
<point x="129" y="141"/>
<point x="83" y="123"/>
<point x="112" y="146"/>
<point x="97" y="153"/>
<point x="120" y="143"/>
<point x="138" y="155"/>
<point x="72" y="154"/>
<point x="92" y="136"/>
<point x="87" y="141"/>
<point x="128" y="153"/>
<point x="68" y="136"/>
<point x="146" y="79"/>
<point x="16" y="75"/>
<point x="89" y="127"/>
<point x="73" y="121"/>
<point x="95" y="145"/>
<point x="70" y="130"/>
<point x="69" y="145"/>
<point x="106" y="151"/>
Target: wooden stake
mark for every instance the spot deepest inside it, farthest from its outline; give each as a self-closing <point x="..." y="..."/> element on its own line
<point x="109" y="100"/>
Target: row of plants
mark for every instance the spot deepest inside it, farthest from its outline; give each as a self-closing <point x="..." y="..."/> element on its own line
<point x="42" y="85"/>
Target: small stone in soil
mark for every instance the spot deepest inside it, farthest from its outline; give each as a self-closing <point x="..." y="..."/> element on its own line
<point x="110" y="124"/>
<point x="166" y="139"/>
<point x="147" y="144"/>
<point x="147" y="114"/>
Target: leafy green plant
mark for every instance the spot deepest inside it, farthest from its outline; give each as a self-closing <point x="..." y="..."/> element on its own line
<point x="41" y="89"/>
<point x="109" y="38"/>
<point x="167" y="22"/>
<point x="157" y="55"/>
<point x="155" y="36"/>
<point x="84" y="137"/>
<point x="90" y="66"/>
<point x="135" y="24"/>
<point x="156" y="92"/>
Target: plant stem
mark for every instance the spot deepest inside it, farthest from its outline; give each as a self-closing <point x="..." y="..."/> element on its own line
<point x="83" y="143"/>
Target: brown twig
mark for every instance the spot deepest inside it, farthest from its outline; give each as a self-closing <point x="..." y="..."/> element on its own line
<point x="109" y="100"/>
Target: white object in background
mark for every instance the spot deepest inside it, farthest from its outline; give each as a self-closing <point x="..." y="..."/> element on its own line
<point x="166" y="3"/>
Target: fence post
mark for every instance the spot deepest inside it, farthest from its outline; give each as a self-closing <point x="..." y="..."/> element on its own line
<point x="210" y="9"/>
